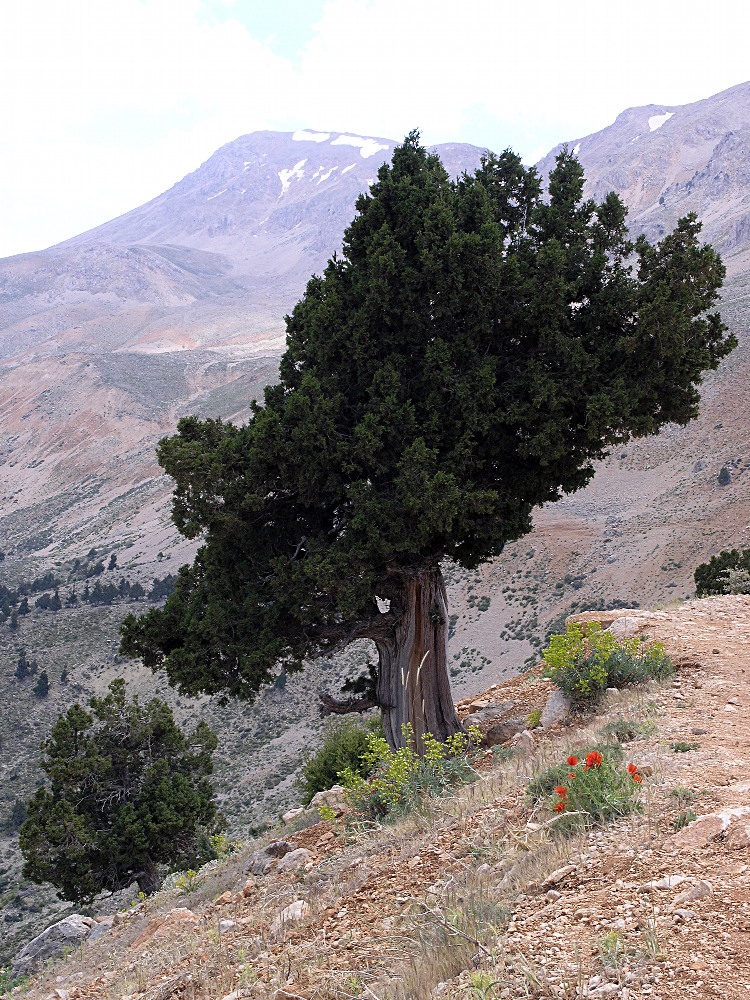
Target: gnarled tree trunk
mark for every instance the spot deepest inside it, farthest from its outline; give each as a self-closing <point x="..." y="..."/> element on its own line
<point x="413" y="685"/>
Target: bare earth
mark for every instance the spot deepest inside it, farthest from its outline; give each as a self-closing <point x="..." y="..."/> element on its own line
<point x="630" y="910"/>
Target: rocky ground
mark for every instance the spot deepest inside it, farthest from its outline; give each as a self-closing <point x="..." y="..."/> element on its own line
<point x="474" y="896"/>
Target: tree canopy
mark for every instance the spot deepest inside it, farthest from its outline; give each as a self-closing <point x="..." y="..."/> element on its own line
<point x="128" y="790"/>
<point x="471" y="353"/>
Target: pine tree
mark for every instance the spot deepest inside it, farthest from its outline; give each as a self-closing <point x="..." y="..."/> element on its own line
<point x="469" y="356"/>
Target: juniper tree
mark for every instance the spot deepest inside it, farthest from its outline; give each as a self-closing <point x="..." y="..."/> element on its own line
<point x="127" y="790"/>
<point x="469" y="356"/>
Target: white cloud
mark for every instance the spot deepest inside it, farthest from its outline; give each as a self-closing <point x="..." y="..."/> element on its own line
<point x="107" y="104"/>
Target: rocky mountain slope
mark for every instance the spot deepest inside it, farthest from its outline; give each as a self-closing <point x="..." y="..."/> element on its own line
<point x="665" y="161"/>
<point x="176" y="308"/>
<point x="477" y="896"/>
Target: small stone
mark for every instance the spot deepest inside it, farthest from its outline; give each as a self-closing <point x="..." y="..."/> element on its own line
<point x="682" y="916"/>
<point x="701" y="890"/>
<point x="226" y="925"/>
<point x="225" y="897"/>
<point x="697" y="731"/>
<point x="554" y="895"/>
<point x="293" y="913"/>
<point x="558" y="875"/>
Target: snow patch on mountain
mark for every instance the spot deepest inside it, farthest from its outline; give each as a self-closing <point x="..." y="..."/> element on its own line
<point x="350" y="167"/>
<point x="656" y="121"/>
<point x="212" y="196"/>
<point x="367" y="147"/>
<point x="302" y="135"/>
<point x="576" y="149"/>
<point x="285" y="176"/>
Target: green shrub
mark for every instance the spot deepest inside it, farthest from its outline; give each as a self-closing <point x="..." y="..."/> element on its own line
<point x="344" y="743"/>
<point x="593" y="789"/>
<point x="541" y="787"/>
<point x="401" y="779"/>
<point x="585" y="666"/>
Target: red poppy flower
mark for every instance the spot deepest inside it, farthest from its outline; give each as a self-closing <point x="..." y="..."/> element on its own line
<point x="637" y="779"/>
<point x="561" y="790"/>
<point x="560" y="807"/>
<point x="632" y="769"/>
<point x="572" y="760"/>
<point x="572" y="775"/>
<point x="593" y="759"/>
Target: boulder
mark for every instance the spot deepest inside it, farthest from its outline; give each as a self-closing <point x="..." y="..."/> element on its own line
<point x="260" y="861"/>
<point x="330" y="798"/>
<point x="101" y="929"/>
<point x="500" y="732"/>
<point x="294" y="860"/>
<point x="493" y="712"/>
<point x="292" y="814"/>
<point x="557" y="708"/>
<point x="50" y="943"/>
<point x="625" y="627"/>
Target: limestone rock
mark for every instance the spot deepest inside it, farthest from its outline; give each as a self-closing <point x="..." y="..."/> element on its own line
<point x="51" y="942"/>
<point x="293" y="913"/>
<point x="277" y="848"/>
<point x="260" y="861"/>
<point x="701" y="890"/>
<point x="556" y="709"/>
<point x="292" y="814"/>
<point x="501" y="732"/>
<point x="625" y="627"/>
<point x="330" y="798"/>
<point x="102" y="927"/>
<point x="492" y="712"/>
<point x="294" y="860"/>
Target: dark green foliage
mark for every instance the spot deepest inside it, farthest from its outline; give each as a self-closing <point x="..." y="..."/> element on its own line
<point x="725" y="476"/>
<point x="127" y="791"/>
<point x="41" y="688"/>
<point x="469" y="356"/>
<point x="344" y="742"/>
<point x="25" y="668"/>
<point x="112" y="561"/>
<point x="162" y="588"/>
<point x="710" y="578"/>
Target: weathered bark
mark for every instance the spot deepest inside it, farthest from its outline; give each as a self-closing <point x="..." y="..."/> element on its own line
<point x="413" y="685"/>
<point x="344" y="706"/>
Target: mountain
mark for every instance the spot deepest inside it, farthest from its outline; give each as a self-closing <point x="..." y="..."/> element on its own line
<point x="177" y="307"/>
<point x="215" y="261"/>
<point x="665" y="161"/>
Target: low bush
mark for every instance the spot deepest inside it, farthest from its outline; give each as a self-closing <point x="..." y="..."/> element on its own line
<point x="584" y="666"/>
<point x="400" y="780"/>
<point x="595" y="789"/>
<point x="344" y="743"/>
<point x="541" y="787"/>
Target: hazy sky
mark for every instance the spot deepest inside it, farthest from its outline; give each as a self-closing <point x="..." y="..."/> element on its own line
<point x="106" y="103"/>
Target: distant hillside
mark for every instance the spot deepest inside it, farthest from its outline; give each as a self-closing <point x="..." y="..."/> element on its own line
<point x="665" y="161"/>
<point x="216" y="260"/>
